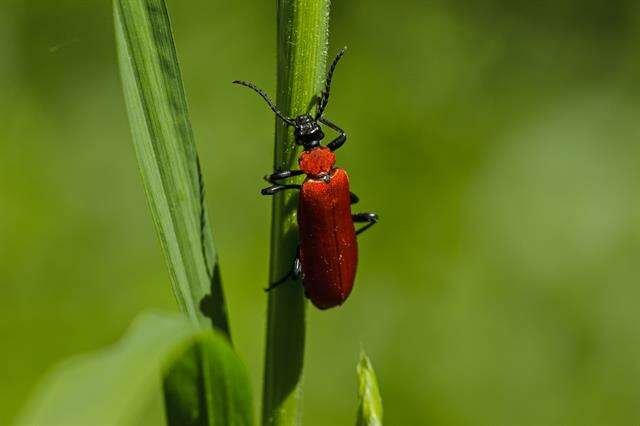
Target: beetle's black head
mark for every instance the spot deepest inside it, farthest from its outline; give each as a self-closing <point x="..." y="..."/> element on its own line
<point x="307" y="132"/>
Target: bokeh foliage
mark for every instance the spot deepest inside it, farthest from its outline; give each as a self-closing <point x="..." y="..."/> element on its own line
<point x="498" y="141"/>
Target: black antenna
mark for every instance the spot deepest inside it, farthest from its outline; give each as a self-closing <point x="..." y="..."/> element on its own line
<point x="324" y="99"/>
<point x="266" y="98"/>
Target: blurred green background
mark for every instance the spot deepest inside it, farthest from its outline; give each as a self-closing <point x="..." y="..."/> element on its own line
<point x="498" y="141"/>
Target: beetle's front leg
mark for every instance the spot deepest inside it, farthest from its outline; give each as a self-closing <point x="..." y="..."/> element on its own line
<point x="274" y="177"/>
<point x="369" y="218"/>
<point x="340" y="140"/>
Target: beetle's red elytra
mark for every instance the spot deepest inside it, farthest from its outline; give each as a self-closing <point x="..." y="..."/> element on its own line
<point x="327" y="254"/>
<point x="328" y="247"/>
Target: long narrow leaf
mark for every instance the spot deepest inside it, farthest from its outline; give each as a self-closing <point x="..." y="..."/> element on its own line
<point x="369" y="401"/>
<point x="122" y="385"/>
<point x="167" y="156"/>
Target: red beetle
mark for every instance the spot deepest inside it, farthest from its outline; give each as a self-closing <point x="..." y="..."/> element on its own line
<point x="328" y="252"/>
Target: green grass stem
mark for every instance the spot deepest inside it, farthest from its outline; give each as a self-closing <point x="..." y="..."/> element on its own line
<point x="302" y="51"/>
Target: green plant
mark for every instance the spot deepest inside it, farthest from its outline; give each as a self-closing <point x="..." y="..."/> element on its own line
<point x="369" y="401"/>
<point x="302" y="52"/>
<point x="167" y="157"/>
<point x="183" y="370"/>
<point x="121" y="385"/>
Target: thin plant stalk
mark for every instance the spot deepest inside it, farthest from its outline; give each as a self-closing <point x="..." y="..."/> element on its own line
<point x="302" y="51"/>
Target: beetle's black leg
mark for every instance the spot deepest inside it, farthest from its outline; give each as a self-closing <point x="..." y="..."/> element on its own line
<point x="273" y="177"/>
<point x="340" y="140"/>
<point x="369" y="218"/>
<point x="277" y="188"/>
<point x="354" y="198"/>
<point x="295" y="273"/>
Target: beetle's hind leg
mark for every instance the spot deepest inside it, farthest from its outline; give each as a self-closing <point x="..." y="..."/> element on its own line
<point x="369" y="218"/>
<point x="295" y="273"/>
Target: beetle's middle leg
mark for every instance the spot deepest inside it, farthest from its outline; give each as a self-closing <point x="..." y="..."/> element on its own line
<point x="295" y="273"/>
<point x="274" y="189"/>
<point x="369" y="218"/>
<point x="274" y="177"/>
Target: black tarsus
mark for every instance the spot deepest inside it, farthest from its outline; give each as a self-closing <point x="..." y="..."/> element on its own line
<point x="262" y="93"/>
<point x="324" y="99"/>
<point x="369" y="218"/>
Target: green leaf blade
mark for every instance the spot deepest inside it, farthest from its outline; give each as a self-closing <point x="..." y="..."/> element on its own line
<point x="165" y="148"/>
<point x="195" y="384"/>
<point x="369" y="400"/>
<point x="122" y="384"/>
